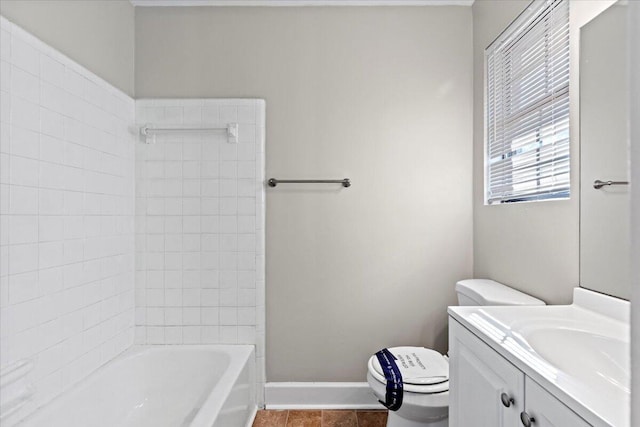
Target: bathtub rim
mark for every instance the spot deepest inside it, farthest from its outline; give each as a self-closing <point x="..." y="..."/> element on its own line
<point x="217" y="397"/>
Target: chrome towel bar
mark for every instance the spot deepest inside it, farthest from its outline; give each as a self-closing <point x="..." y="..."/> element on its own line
<point x="345" y="182"/>
<point x="597" y="184"/>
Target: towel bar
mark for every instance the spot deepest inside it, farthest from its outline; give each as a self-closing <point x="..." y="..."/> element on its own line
<point x="345" y="182"/>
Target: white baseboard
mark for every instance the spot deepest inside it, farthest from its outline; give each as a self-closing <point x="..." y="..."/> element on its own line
<point x="298" y="395"/>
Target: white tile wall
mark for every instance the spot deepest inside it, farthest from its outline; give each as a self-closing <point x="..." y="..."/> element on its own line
<point x="200" y="226"/>
<point x="66" y="216"/>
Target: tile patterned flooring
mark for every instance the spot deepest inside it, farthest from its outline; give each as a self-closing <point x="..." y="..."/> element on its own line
<point x="341" y="418"/>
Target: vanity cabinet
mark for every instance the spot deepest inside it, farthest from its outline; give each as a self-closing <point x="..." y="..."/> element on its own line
<point x="479" y="379"/>
<point x="546" y="410"/>
<point x="486" y="390"/>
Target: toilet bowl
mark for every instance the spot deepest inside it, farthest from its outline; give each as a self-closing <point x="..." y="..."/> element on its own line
<point x="425" y="401"/>
<point x="417" y="410"/>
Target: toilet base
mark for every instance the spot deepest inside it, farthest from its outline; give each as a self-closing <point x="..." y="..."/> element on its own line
<point x="394" y="420"/>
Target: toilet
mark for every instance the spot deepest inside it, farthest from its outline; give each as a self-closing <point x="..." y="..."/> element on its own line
<point x="425" y="401"/>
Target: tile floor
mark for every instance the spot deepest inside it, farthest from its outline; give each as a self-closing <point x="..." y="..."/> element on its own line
<point x="343" y="418"/>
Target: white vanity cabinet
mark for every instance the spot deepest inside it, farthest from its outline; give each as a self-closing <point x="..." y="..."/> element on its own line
<point x="546" y="410"/>
<point x="486" y="390"/>
<point x="478" y="379"/>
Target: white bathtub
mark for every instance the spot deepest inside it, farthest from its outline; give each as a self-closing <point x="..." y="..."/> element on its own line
<point x="158" y="386"/>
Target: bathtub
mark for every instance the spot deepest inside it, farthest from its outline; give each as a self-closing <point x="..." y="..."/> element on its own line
<point x="161" y="386"/>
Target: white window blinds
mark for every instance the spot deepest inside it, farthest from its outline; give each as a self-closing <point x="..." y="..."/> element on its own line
<point x="527" y="107"/>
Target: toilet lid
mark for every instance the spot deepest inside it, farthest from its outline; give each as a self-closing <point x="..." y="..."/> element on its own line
<point x="423" y="370"/>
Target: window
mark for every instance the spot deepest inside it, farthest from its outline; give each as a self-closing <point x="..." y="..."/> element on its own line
<point x="527" y="107"/>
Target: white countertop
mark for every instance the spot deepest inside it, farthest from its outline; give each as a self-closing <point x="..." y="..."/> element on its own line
<point x="578" y="352"/>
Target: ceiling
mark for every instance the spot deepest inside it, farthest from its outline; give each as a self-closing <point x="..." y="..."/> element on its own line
<point x="302" y="2"/>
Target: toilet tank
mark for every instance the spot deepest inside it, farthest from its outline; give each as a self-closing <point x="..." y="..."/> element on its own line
<point x="489" y="292"/>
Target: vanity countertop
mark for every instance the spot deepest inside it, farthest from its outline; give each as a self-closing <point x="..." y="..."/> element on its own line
<point x="578" y="352"/>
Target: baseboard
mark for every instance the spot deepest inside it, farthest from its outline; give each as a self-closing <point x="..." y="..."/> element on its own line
<point x="299" y="395"/>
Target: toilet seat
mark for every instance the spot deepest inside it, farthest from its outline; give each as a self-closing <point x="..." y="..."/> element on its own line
<point x="432" y="378"/>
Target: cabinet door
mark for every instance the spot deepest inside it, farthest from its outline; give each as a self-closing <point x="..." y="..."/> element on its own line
<point x="546" y="410"/>
<point x="478" y="377"/>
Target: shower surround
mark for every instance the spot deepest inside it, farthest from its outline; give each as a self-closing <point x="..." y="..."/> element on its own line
<point x="107" y="242"/>
<point x="67" y="174"/>
<point x="200" y="225"/>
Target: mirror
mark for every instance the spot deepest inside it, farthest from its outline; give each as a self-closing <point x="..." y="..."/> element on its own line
<point x="604" y="153"/>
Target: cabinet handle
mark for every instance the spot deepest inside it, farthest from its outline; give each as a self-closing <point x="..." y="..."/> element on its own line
<point x="506" y="400"/>
<point x="527" y="421"/>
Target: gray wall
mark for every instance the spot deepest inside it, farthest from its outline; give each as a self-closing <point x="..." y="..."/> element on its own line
<point x="530" y="246"/>
<point x="533" y="246"/>
<point x="379" y="95"/>
<point x="96" y="34"/>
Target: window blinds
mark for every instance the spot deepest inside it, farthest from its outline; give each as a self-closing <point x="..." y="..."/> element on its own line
<point x="527" y="107"/>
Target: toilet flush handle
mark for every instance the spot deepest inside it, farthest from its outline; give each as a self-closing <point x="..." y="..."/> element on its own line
<point x="506" y="400"/>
